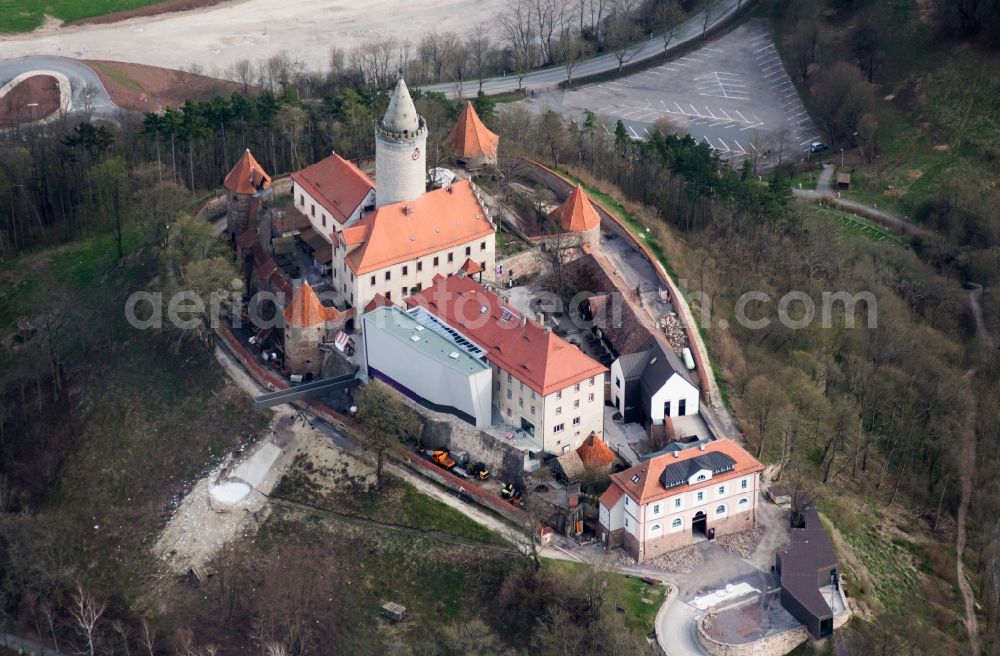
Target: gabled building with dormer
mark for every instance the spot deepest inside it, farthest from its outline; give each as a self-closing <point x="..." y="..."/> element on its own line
<point x="679" y="498"/>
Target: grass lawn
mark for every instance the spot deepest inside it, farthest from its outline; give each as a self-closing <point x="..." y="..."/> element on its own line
<point x="856" y="226"/>
<point x="637" y="600"/>
<point x="118" y="76"/>
<point x="509" y="244"/>
<point x="26" y="15"/>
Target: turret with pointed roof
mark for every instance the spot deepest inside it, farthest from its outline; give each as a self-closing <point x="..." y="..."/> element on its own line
<point x="471" y="141"/>
<point x="577" y="213"/>
<point x="248" y="184"/>
<point x="307" y="324"/>
<point x="400" y="151"/>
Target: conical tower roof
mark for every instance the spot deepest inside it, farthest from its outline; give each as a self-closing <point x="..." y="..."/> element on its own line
<point x="577" y="214"/>
<point x="401" y="115"/>
<point x="470" y="138"/>
<point x="247" y="177"/>
<point x="306" y="310"/>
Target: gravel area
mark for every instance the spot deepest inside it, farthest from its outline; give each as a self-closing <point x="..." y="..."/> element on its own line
<point x="683" y="560"/>
<point x="741" y="544"/>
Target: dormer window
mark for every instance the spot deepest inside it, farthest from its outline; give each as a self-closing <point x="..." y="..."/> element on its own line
<point x="701" y="477"/>
<point x="635" y="478"/>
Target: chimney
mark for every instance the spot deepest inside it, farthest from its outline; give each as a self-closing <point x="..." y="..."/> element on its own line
<point x="675" y="455"/>
<point x="540" y="318"/>
<point x="701" y="447"/>
<point x="524" y="321"/>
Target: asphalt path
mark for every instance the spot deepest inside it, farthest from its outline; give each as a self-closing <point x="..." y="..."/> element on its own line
<point x="83" y="79"/>
<point x="547" y="78"/>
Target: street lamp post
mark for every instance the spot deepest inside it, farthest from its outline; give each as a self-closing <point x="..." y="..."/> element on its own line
<point x="841" y="158"/>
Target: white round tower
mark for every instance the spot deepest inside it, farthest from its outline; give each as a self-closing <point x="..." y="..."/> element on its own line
<point x="400" y="151"/>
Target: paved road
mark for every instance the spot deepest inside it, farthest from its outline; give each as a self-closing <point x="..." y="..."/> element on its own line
<point x="547" y="78"/>
<point x="82" y="78"/>
<point x="24" y="646"/>
<point x="731" y="93"/>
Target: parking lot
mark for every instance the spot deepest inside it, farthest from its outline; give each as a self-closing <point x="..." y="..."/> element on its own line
<point x="732" y="93"/>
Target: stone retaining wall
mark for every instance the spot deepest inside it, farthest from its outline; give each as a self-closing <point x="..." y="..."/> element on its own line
<point x="526" y="264"/>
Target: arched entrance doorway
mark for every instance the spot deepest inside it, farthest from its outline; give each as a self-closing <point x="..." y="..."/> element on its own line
<point x="698" y="524"/>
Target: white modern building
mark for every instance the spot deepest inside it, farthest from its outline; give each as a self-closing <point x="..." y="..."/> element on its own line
<point x="679" y="498"/>
<point x="652" y="384"/>
<point x="428" y="362"/>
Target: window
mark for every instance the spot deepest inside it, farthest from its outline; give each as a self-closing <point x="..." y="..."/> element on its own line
<point x="576" y="404"/>
<point x="743" y="484"/>
<point x="324" y="220"/>
<point x="701" y="496"/>
<point x="435" y="261"/>
<point x="626" y="519"/>
<point x="559" y="410"/>
<point x="744" y="502"/>
<point x="420" y="266"/>
<point x="591" y="380"/>
<point x="520" y="403"/>
<point x="722" y="490"/>
<point x="532" y="409"/>
<point x="677" y="522"/>
<point x="406" y="270"/>
<point x="373" y="281"/>
<point x="558" y="428"/>
<point x="635" y="479"/>
<point x="404" y="295"/>
<point x="666" y="409"/>
<point x="522" y="387"/>
<point x="468" y="250"/>
<point x="509" y="378"/>
<point x="682" y="407"/>
<point x="559" y="394"/>
<point x="388" y="275"/>
<point x="451" y="257"/>
<point x="677" y="502"/>
<point x="656" y="509"/>
<point x="532" y="394"/>
<point x="618" y="382"/>
<point x="576" y="421"/>
<point x="509" y="395"/>
<point x="576" y="388"/>
<point x="701" y="477"/>
<point x="565" y="449"/>
<point x="656" y="528"/>
<point x="388" y="295"/>
<point x="302" y="200"/>
<point x="312" y="210"/>
<point x="721" y="510"/>
<point x="590" y="397"/>
<point x="483" y="265"/>
<point x="482" y="245"/>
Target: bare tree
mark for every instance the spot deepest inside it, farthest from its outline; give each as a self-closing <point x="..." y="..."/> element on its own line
<point x="623" y="36"/>
<point x="571" y="49"/>
<point x="668" y="18"/>
<point x="478" y="45"/>
<point x="518" y="29"/>
<point x="148" y="638"/>
<point x="242" y="71"/>
<point x="549" y="18"/>
<point x="709" y="14"/>
<point x="86" y="611"/>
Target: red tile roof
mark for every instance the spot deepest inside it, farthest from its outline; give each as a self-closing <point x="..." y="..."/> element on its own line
<point x="438" y="220"/>
<point x="377" y="301"/>
<point x="247" y="177"/>
<point x="577" y="214"/>
<point x="535" y="356"/>
<point x="336" y="184"/>
<point x="306" y="309"/>
<point x="594" y="453"/>
<point x="648" y="487"/>
<point x="611" y="496"/>
<point x="470" y="138"/>
<point x="469" y="267"/>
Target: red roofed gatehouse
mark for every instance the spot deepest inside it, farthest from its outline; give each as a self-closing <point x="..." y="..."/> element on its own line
<point x="472" y="142"/>
<point x="248" y="184"/>
<point x="678" y="498"/>
<point x="309" y="323"/>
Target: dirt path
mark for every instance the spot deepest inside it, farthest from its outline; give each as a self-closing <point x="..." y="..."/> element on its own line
<point x="968" y="471"/>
